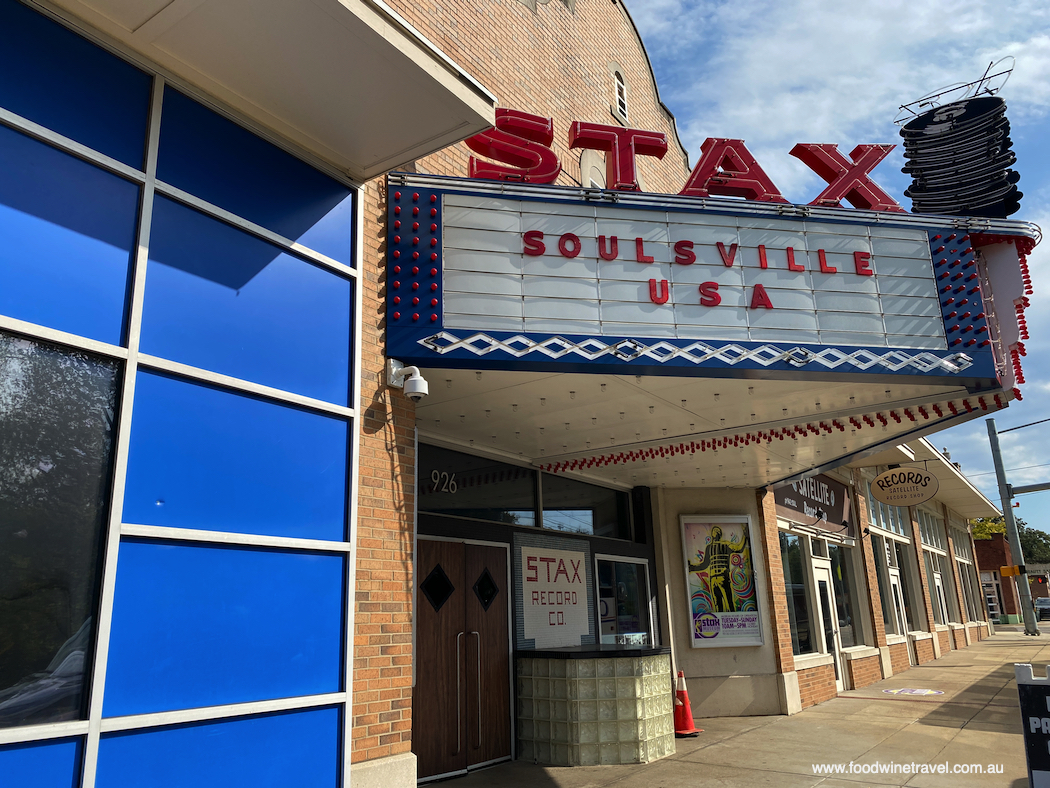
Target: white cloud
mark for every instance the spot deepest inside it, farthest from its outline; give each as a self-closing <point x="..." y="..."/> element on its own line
<point x="778" y="73"/>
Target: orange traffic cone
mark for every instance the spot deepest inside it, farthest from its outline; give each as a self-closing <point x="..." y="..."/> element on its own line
<point x="683" y="714"/>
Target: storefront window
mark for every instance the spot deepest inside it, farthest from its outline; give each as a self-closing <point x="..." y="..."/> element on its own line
<point x="841" y="577"/>
<point x="903" y="566"/>
<point x="623" y="603"/>
<point x="935" y="582"/>
<point x="581" y="508"/>
<point x="802" y="640"/>
<point x="878" y="549"/>
<point x="889" y="518"/>
<point x="57" y="408"/>
<point x="453" y="483"/>
<point x="931" y="528"/>
<point x="969" y="594"/>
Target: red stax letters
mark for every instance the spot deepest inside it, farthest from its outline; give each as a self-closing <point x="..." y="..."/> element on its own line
<point x="621" y="146"/>
<point x="521" y="140"/>
<point x="847" y="180"/>
<point x="727" y="168"/>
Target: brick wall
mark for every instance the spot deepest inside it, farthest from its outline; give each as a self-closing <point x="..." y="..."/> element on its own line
<point x="924" y="651"/>
<point x="960" y="637"/>
<point x="382" y="710"/>
<point x="874" y="592"/>
<point x="553" y="62"/>
<point x="817" y="685"/>
<point x="777" y="599"/>
<point x="899" y="658"/>
<point x="549" y="62"/>
<point x="863" y="672"/>
<point x="944" y="637"/>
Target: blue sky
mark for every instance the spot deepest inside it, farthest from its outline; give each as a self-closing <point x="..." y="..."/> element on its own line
<point x="779" y="73"/>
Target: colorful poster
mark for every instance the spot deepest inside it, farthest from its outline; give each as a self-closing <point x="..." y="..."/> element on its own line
<point x="720" y="581"/>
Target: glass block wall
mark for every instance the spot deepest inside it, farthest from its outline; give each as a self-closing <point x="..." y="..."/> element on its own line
<point x="178" y="323"/>
<point x="591" y="711"/>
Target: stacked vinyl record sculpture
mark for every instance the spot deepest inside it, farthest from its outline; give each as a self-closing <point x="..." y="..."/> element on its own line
<point x="958" y="156"/>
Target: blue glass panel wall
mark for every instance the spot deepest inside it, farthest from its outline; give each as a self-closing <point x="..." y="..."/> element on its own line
<point x="68" y="229"/>
<point x="62" y="81"/>
<point x="213" y="158"/>
<point x="44" y="764"/>
<point x="197" y="625"/>
<point x="223" y="300"/>
<point x="207" y="458"/>
<point x="279" y="750"/>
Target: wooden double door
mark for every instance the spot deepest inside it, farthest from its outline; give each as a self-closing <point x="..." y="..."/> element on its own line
<point x="461" y="714"/>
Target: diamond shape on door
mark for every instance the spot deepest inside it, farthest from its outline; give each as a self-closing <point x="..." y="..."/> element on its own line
<point x="437" y="587"/>
<point x="486" y="589"/>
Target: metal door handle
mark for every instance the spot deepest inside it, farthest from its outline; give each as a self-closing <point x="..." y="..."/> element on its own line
<point x="478" y="747"/>
<point x="459" y="700"/>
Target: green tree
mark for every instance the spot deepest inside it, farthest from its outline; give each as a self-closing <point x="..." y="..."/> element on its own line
<point x="1034" y="543"/>
<point x="984" y="527"/>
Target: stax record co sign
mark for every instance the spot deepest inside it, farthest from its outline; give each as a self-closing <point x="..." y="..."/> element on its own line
<point x="521" y="142"/>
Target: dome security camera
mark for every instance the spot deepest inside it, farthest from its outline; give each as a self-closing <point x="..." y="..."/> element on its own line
<point x="416" y="387"/>
<point x="410" y="379"/>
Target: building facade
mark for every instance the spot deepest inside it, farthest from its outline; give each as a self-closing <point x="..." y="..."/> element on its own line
<point x="241" y="551"/>
<point x="1004" y="604"/>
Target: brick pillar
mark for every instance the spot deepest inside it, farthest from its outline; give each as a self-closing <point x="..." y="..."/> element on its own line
<point x="776" y="601"/>
<point x="382" y="702"/>
<point x="868" y="553"/>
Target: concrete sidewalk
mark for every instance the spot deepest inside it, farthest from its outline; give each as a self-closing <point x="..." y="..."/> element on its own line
<point x="975" y="721"/>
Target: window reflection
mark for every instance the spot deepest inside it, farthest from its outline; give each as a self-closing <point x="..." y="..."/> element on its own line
<point x="623" y="603"/>
<point x="57" y="415"/>
<point x="459" y="484"/>
<point x="581" y="508"/>
<point x="223" y="300"/>
<point x="802" y="640"/>
<point x="68" y="229"/>
<point x="841" y="569"/>
<point x="225" y="164"/>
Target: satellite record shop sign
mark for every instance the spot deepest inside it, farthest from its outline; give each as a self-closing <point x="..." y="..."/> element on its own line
<point x="904" y="486"/>
<point x="479" y="277"/>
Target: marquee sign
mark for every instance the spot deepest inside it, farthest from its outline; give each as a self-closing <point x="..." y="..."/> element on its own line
<point x="484" y="277"/>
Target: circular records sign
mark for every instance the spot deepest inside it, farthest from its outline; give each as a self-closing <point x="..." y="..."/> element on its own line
<point x="904" y="487"/>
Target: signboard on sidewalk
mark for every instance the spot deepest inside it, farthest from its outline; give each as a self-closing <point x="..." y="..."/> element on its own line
<point x="1034" y="694"/>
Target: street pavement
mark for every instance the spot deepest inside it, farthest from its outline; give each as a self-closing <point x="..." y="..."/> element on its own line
<point x="976" y="721"/>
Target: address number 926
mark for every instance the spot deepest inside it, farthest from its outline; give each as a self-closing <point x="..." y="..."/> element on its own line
<point x="444" y="482"/>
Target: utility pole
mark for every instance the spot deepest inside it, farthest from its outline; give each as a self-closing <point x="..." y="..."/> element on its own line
<point x="1006" y="496"/>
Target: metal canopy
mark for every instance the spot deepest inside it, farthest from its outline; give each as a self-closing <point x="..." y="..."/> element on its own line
<point x="348" y="80"/>
<point x="660" y="431"/>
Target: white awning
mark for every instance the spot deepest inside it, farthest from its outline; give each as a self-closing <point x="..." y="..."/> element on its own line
<point x="348" y="80"/>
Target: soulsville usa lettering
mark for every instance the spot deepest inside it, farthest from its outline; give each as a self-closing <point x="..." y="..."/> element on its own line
<point x="570" y="246"/>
